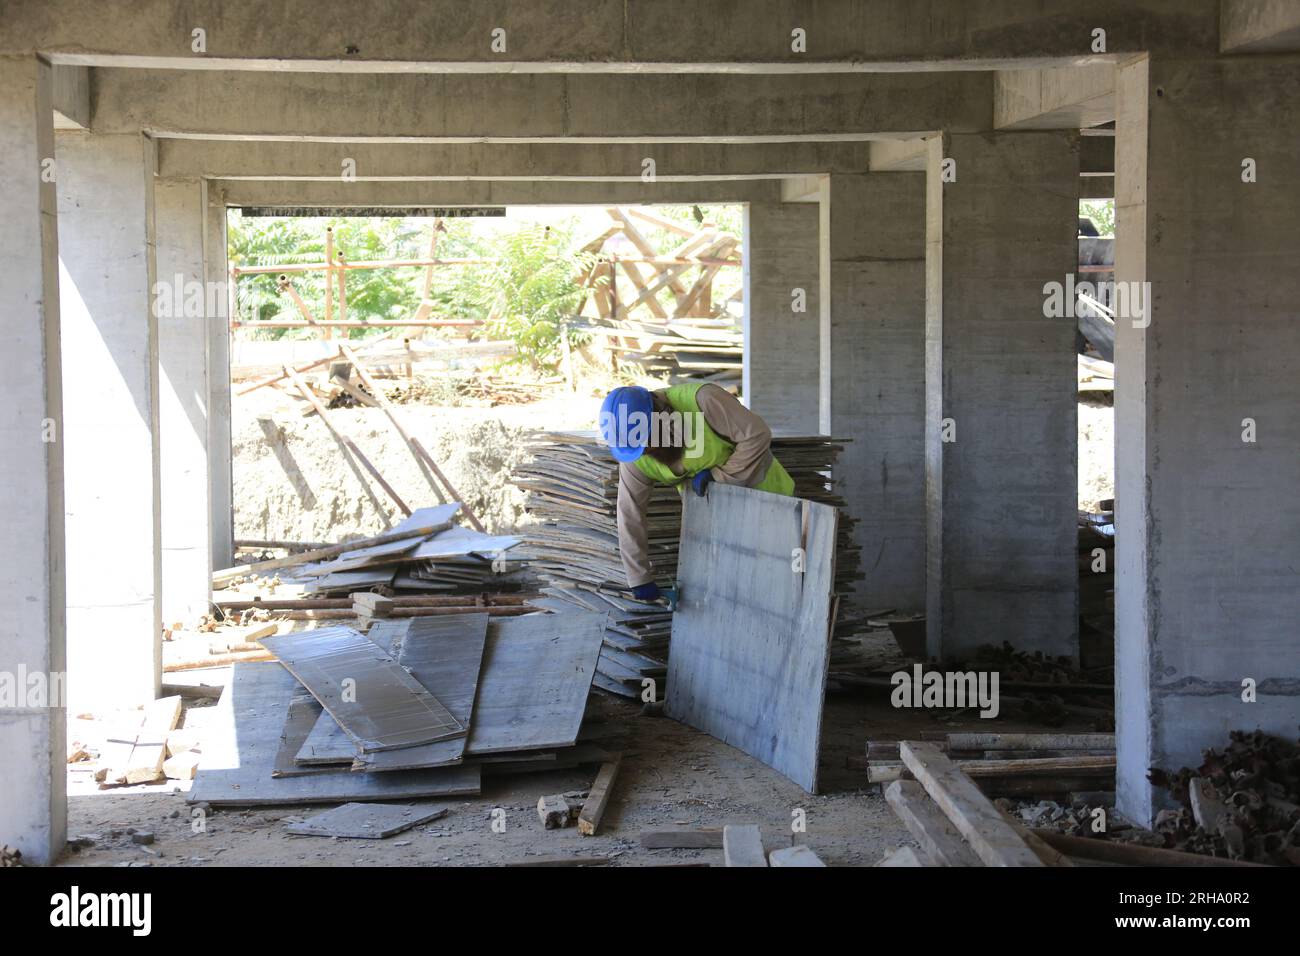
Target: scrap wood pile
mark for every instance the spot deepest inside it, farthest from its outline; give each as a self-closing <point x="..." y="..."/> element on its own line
<point x="695" y="351"/>
<point x="423" y="555"/>
<point x="955" y="796"/>
<point x="660" y="311"/>
<point x="571" y="483"/>
<point x="1242" y="803"/>
<point x="133" y="746"/>
<point x="416" y="708"/>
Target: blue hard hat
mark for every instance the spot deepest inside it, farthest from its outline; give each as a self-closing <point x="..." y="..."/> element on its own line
<point x="625" y="421"/>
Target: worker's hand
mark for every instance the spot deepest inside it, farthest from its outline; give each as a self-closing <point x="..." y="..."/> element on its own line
<point x="646" y="592"/>
<point x="701" y="481"/>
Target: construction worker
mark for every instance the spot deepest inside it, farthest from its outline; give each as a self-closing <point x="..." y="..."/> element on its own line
<point x="674" y="436"/>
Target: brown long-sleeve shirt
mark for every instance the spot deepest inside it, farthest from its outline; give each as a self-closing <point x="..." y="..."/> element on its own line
<point x="747" y="466"/>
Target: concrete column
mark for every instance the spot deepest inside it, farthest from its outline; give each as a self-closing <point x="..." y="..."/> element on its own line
<point x="781" y="315"/>
<point x="184" y="305"/>
<point x="1207" y="431"/>
<point x="33" y="797"/>
<point x="876" y="249"/>
<point x="221" y="494"/>
<point x="1001" y="385"/>
<point x="110" y="357"/>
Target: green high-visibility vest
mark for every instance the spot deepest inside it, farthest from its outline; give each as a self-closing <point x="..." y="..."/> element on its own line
<point x="714" y="450"/>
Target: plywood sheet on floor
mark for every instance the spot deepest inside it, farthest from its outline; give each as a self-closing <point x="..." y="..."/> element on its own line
<point x="239" y="756"/>
<point x="537" y="673"/>
<point x="751" y="636"/>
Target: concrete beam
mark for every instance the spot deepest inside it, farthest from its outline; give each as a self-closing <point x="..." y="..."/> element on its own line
<point x="1074" y="98"/>
<point x="1206" y="431"/>
<point x="72" y="97"/>
<point x="898" y="155"/>
<point x="673" y="162"/>
<point x="533" y="108"/>
<point x="1001" y="397"/>
<point x="492" y="193"/>
<point x="601" y="35"/>
<point x="1259" y="26"/>
<point x="33" y="809"/>
<point x="110" y="357"/>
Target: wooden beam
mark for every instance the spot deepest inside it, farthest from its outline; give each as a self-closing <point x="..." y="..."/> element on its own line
<point x="973" y="814"/>
<point x="344" y="440"/>
<point x="683" y="838"/>
<point x="417" y="449"/>
<point x="742" y="845"/>
<point x="928" y="826"/>
<point x="598" y="799"/>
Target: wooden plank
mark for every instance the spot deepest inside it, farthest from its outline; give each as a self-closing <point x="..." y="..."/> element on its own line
<point x="1048" y="854"/>
<point x="928" y="826"/>
<point x="751" y="636"/>
<point x="239" y="755"/>
<point x="225" y="575"/>
<point x="417" y="449"/>
<point x="1031" y="766"/>
<point x="904" y="856"/>
<point x="376" y="702"/>
<point x="742" y="845"/>
<point x="682" y="838"/>
<point x="990" y="741"/>
<point x="598" y="799"/>
<point x="537" y="673"/>
<point x="973" y="814"/>
<point x="343" y="439"/>
<point x="150" y="751"/>
<point x="365" y="821"/>
<point x="1128" y="854"/>
<point x="789" y="856"/>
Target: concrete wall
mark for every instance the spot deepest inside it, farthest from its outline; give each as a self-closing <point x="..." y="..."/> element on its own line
<point x="1208" y="541"/>
<point x="110" y="359"/>
<point x="1002" y="535"/>
<point x="877" y="375"/>
<point x="182" y="305"/>
<point x="33" y="809"/>
<point x="781" y="345"/>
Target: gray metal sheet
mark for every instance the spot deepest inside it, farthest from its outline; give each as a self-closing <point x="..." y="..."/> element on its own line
<point x="376" y="702"/>
<point x="239" y="755"/>
<point x="751" y="637"/>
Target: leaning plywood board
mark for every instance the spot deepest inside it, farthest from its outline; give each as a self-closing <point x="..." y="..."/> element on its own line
<point x="376" y="702"/>
<point x="751" y="636"/>
<point x="240" y="750"/>
<point x="976" y="818"/>
<point x="537" y="673"/>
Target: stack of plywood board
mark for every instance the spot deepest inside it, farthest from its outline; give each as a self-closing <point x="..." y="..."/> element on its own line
<point x="436" y="556"/>
<point x="419" y="707"/>
<point x="571" y="482"/>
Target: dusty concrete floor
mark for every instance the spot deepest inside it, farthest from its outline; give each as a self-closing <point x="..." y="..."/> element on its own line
<point x="671" y="775"/>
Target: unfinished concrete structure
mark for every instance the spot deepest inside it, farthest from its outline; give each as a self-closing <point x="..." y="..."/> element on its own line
<point x="926" y="168"/>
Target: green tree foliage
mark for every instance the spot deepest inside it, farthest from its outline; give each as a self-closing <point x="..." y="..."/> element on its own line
<point x="1102" y="214"/>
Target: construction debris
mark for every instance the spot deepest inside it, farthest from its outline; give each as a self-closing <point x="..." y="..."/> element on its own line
<point x="1241" y="803"/>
